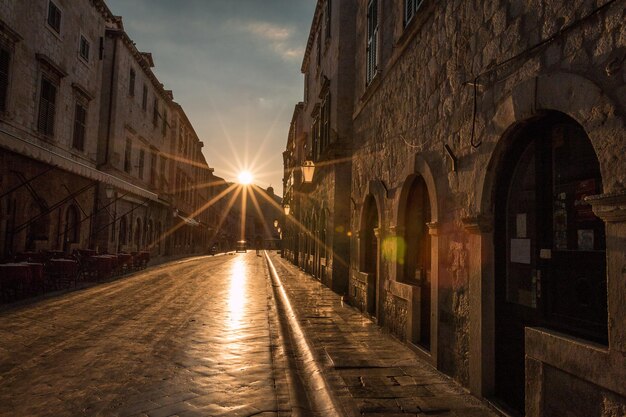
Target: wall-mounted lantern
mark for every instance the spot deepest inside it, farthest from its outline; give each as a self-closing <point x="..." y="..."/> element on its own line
<point x="109" y="191"/>
<point x="308" y="169"/>
<point x="286" y="208"/>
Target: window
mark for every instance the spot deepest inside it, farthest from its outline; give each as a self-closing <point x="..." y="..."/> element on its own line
<point x="47" y="100"/>
<point x="319" y="47"/>
<point x="410" y="7"/>
<point x="155" y="112"/>
<point x="164" y="126"/>
<point x="325" y="123"/>
<point x="153" y="162"/>
<point x="54" y="17"/>
<point x="5" y="58"/>
<point x="306" y="87"/>
<point x="144" y="98"/>
<point x="372" y="41"/>
<point x="315" y="142"/>
<point x="327" y="19"/>
<point x="80" y="120"/>
<point x="162" y="173"/>
<point x="83" y="48"/>
<point x="131" y="83"/>
<point x="127" y="155"/>
<point x="142" y="156"/>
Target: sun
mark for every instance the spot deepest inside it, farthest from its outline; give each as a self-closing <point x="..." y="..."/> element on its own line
<point x="245" y="177"/>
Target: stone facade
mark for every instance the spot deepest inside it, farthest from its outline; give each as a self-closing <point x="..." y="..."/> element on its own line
<point x="445" y="98"/>
<point x="89" y="139"/>
<point x="321" y="208"/>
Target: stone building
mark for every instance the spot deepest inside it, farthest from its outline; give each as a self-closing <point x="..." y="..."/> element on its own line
<point x="488" y="183"/>
<point x="191" y="180"/>
<point x="88" y="138"/>
<point x="481" y="130"/>
<point x="321" y="208"/>
<point x="50" y="77"/>
<point x="134" y="143"/>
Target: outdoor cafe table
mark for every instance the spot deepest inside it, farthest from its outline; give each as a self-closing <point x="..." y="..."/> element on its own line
<point x="62" y="270"/>
<point x="14" y="273"/>
<point x="104" y="264"/>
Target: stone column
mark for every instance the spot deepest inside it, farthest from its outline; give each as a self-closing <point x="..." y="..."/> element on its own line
<point x="611" y="208"/>
<point x="435" y="250"/>
<point x="482" y="305"/>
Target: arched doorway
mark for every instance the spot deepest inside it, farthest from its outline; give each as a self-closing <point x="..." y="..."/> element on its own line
<point x="138" y="234"/>
<point x="550" y="248"/>
<point x="71" y="233"/>
<point x="417" y="255"/>
<point x="123" y="234"/>
<point x="369" y="252"/>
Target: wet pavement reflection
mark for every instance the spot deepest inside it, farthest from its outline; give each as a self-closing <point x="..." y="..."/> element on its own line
<point x="191" y="338"/>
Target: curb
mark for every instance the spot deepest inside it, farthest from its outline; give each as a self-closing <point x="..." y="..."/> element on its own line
<point x="309" y="390"/>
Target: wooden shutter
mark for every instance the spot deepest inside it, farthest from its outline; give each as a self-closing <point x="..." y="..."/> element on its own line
<point x="372" y="39"/>
<point x="47" y="100"/>
<point x="5" y="58"/>
<point x="80" y="116"/>
<point x="54" y="17"/>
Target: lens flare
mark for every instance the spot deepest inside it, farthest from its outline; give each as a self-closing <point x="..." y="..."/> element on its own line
<point x="245" y="177"/>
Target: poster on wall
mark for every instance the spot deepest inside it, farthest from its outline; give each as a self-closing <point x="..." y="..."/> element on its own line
<point x="520" y="251"/>
<point x="585" y="239"/>
<point x="582" y="210"/>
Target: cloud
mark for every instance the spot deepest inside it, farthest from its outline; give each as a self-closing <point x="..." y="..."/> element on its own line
<point x="270" y="31"/>
<point x="280" y="37"/>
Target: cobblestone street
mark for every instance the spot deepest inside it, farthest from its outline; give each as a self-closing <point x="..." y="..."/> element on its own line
<point x="188" y="338"/>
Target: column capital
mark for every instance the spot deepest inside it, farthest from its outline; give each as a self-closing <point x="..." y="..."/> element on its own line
<point x="478" y="224"/>
<point x="610" y="207"/>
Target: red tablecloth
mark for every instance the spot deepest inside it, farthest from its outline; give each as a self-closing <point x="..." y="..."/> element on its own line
<point x="15" y="276"/>
<point x="63" y="266"/>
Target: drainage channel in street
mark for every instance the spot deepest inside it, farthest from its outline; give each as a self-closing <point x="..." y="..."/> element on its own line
<point x="309" y="390"/>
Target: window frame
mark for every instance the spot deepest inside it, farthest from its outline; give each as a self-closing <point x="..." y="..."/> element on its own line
<point x="141" y="163"/>
<point x="55" y="26"/>
<point x="372" y="41"/>
<point x="82" y="38"/>
<point x="50" y="120"/>
<point x="132" y="77"/>
<point x="409" y="15"/>
<point x="5" y="81"/>
<point x="144" y="98"/>
<point x="78" y="143"/>
<point x="128" y="153"/>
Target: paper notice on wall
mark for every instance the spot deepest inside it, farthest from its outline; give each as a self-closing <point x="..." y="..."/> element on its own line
<point x="521" y="225"/>
<point x="520" y="251"/>
<point x="585" y="239"/>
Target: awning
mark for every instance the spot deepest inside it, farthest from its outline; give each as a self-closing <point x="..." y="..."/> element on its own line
<point x="23" y="147"/>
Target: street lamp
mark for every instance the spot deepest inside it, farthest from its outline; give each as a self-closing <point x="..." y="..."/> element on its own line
<point x="108" y="190"/>
<point x="308" y="169"/>
<point x="286" y="208"/>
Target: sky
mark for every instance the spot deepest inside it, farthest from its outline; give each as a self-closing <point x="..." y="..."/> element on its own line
<point x="234" y="67"/>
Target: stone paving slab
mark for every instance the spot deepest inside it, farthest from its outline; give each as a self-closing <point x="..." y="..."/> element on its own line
<point x="190" y="338"/>
<point x="370" y="372"/>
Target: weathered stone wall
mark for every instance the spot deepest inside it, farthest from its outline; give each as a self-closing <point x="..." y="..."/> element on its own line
<point x="29" y="21"/>
<point x="422" y="98"/>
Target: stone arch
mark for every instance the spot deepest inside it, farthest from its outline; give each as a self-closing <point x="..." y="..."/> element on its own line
<point x="570" y="94"/>
<point x="534" y="97"/>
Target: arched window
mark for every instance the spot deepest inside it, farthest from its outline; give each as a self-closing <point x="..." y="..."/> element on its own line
<point x="71" y="232"/>
<point x="138" y="231"/>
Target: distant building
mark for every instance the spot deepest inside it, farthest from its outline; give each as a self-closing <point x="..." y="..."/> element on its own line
<point x="133" y="146"/>
<point x="321" y="133"/>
